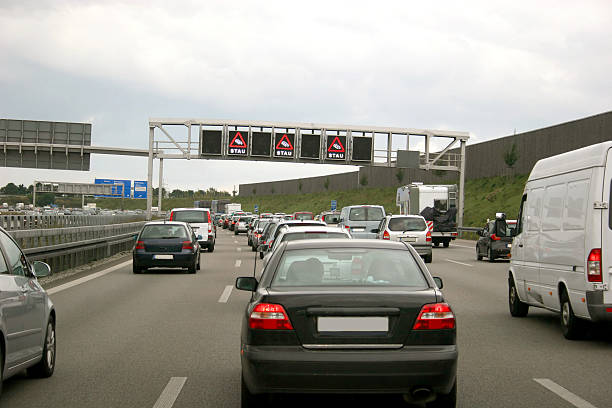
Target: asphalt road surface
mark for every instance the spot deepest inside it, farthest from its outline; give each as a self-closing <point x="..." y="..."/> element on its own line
<point x="170" y="339"/>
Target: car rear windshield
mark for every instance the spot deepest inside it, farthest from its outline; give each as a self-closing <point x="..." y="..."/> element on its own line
<point x="331" y="218"/>
<point x="295" y="236"/>
<point x="161" y="231"/>
<point x="366" y="214"/>
<point x="244" y="219"/>
<point x="190" y="216"/>
<point x="361" y="267"/>
<point x="304" y="216"/>
<point x="407" y="224"/>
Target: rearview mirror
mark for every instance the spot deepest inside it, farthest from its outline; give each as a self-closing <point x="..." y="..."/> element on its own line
<point x="247" y="283"/>
<point x="439" y="282"/>
<point x="41" y="269"/>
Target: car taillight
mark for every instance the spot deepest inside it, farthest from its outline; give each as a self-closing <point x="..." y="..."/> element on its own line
<point x="139" y="245"/>
<point x="209" y="218"/>
<point x="386" y="235"/>
<point x="495" y="237"/>
<point x="428" y="236"/>
<point x="268" y="316"/>
<point x="187" y="245"/>
<point x="171" y="215"/>
<point x="435" y="316"/>
<point x="347" y="227"/>
<point x="594" y="265"/>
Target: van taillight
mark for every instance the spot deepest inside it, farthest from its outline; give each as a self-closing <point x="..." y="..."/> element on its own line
<point x="435" y="316"/>
<point x="139" y="245"/>
<point x="386" y="235"/>
<point x="594" y="265"/>
<point x="187" y="245"/>
<point x="268" y="316"/>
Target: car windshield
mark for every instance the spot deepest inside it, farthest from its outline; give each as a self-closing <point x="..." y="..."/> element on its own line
<point x="190" y="216"/>
<point x="366" y="214"/>
<point x="164" y="231"/>
<point x="361" y="267"/>
<point x="295" y="236"/>
<point x="407" y="224"/>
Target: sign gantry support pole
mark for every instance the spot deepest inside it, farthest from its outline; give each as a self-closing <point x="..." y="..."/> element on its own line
<point x="461" y="185"/>
<point x="161" y="184"/>
<point x="150" y="174"/>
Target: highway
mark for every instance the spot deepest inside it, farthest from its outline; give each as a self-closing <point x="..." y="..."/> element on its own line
<point x="170" y="339"/>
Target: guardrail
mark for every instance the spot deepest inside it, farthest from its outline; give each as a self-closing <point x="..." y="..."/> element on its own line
<point x="469" y="232"/>
<point x="25" y="222"/>
<point x="65" y="248"/>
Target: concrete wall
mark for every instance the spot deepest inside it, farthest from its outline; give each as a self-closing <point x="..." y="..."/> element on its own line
<point x="482" y="160"/>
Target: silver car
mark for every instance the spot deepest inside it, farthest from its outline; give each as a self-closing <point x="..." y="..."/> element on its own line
<point x="411" y="229"/>
<point x="27" y="315"/>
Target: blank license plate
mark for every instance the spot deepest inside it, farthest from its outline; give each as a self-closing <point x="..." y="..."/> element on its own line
<point x="163" y="256"/>
<point x="353" y="324"/>
<point x="408" y="239"/>
<point x="358" y="229"/>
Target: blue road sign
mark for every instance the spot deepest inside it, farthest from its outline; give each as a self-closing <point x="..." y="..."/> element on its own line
<point x="140" y="189"/>
<point x="120" y="187"/>
<point x="256" y="208"/>
<point x="334" y="205"/>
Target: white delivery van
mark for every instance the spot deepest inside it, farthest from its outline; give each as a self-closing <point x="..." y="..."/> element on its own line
<point x="562" y="253"/>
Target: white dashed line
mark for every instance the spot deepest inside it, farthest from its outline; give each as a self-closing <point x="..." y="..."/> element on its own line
<point x="563" y="393"/>
<point x="463" y="246"/>
<point x="87" y="278"/>
<point x="235" y="242"/>
<point x="170" y="393"/>
<point x="239" y="249"/>
<point x="460" y="263"/>
<point x="226" y="294"/>
<point x="238" y="263"/>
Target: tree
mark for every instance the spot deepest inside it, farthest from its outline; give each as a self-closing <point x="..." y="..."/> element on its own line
<point x="10" y="189"/>
<point x="363" y="180"/>
<point x="45" y="199"/>
<point x="326" y="184"/>
<point x="399" y="175"/>
<point x="511" y="156"/>
<point x="254" y="191"/>
<point x="300" y="185"/>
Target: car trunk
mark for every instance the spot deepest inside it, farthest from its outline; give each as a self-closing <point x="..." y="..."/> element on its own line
<point x="339" y="317"/>
<point x="410" y="237"/>
<point x="164" y="245"/>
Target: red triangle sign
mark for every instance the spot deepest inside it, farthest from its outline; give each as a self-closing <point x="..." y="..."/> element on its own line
<point x="238" y="141"/>
<point x="284" y="144"/>
<point x="336" y="146"/>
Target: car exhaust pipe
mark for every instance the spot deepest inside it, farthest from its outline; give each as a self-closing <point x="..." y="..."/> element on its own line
<point x="420" y="395"/>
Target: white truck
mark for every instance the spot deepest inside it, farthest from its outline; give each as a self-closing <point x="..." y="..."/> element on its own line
<point x="436" y="203"/>
<point x="232" y="208"/>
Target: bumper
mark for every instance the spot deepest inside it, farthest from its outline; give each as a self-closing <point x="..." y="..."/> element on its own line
<point x="501" y="250"/>
<point x="422" y="250"/>
<point x="241" y="229"/>
<point x="179" y="260"/>
<point x="598" y="310"/>
<point x="293" y="369"/>
<point x="362" y="235"/>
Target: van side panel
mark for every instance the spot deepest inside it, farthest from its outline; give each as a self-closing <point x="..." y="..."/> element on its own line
<point x="530" y="268"/>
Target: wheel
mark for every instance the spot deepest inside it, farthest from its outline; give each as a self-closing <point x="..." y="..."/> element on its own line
<point x="136" y="269"/>
<point x="571" y="326"/>
<point x="198" y="264"/>
<point x="428" y="258"/>
<point x="491" y="257"/>
<point x="1" y="369"/>
<point x="45" y="367"/>
<point x="446" y="244"/>
<point x="517" y="308"/>
<point x="194" y="268"/>
<point x="478" y="256"/>
<point x="436" y="244"/>
<point x="445" y="400"/>
<point x="211" y="248"/>
<point x="248" y="400"/>
<point x="236" y="232"/>
<point x="261" y="255"/>
<point x="253" y="249"/>
<point x="249" y="242"/>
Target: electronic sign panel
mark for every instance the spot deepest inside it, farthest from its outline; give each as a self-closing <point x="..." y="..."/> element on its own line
<point x="211" y="142"/>
<point x="140" y="189"/>
<point x="260" y="144"/>
<point x="284" y="145"/>
<point x="237" y="143"/>
<point x="336" y="148"/>
<point x="362" y="149"/>
<point x="310" y="146"/>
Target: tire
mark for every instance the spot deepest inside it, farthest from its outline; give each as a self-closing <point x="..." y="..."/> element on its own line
<point x="1" y="369"/>
<point x="198" y="264"/>
<point x="436" y="244"/>
<point x="446" y="244"/>
<point x="491" y="257"/>
<point x="249" y="242"/>
<point x="194" y="268"/>
<point x="428" y="258"/>
<point x="211" y="248"/>
<point x="236" y="232"/>
<point x="136" y="269"/>
<point x="248" y="400"/>
<point x="478" y="256"/>
<point x="445" y="400"/>
<point x="253" y="249"/>
<point x="46" y="366"/>
<point x="261" y="255"/>
<point x="517" y="308"/>
<point x="571" y="326"/>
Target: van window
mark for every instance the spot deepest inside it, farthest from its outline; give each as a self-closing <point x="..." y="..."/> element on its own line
<point x="520" y="221"/>
<point x="190" y="216"/>
<point x="366" y="214"/>
<point x="576" y="205"/>
<point x="534" y="209"/>
<point x="553" y="207"/>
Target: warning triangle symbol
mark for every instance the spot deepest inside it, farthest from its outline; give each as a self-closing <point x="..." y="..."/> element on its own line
<point x="336" y="146"/>
<point x="284" y="143"/>
<point x="238" y="141"/>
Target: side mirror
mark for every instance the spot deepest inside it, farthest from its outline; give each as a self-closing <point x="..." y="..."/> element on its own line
<point x="247" y="283"/>
<point x="439" y="282"/>
<point x="375" y="230"/>
<point x="41" y="269"/>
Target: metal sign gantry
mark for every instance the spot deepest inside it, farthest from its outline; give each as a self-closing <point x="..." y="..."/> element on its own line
<point x="304" y="143"/>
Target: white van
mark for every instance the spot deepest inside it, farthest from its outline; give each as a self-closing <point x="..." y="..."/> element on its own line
<point x="562" y="253"/>
<point x="200" y="221"/>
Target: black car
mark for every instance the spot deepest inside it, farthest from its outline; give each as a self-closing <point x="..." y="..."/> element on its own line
<point x="166" y="244"/>
<point x="495" y="240"/>
<point x="348" y="316"/>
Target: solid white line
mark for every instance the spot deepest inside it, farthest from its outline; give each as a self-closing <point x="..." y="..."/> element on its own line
<point x="226" y="294"/>
<point x="238" y="263"/>
<point x="563" y="393"/>
<point x="170" y="393"/>
<point x="239" y="249"/>
<point x="460" y="263"/>
<point x="87" y="278"/>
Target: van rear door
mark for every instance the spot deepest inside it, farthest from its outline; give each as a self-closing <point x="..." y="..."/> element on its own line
<point x="606" y="231"/>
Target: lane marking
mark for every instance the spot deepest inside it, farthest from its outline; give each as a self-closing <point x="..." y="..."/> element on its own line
<point x="564" y="393"/>
<point x="463" y="246"/>
<point x="235" y="242"/>
<point x="226" y="294"/>
<point x="87" y="278"/>
<point x="238" y="263"/>
<point x="460" y="263"/>
<point x="170" y="393"/>
<point x="239" y="249"/>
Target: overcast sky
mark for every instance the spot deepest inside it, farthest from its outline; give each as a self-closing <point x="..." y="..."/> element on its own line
<point x="486" y="67"/>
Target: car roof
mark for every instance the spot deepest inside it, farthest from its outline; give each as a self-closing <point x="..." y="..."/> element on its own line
<point x="405" y="216"/>
<point x="298" y="222"/>
<point x="345" y="243"/>
<point x="166" y="223"/>
<point x="314" y="228"/>
<point x="190" y="209"/>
